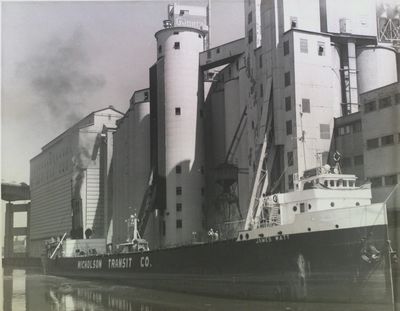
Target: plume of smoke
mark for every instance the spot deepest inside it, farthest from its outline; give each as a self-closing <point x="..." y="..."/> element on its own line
<point x="60" y="75"/>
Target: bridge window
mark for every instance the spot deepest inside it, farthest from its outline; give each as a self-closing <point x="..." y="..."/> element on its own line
<point x="286" y="50"/>
<point x="177" y="111"/>
<point x="177" y="45"/>
<point x="303" y="46"/>
<point x="250" y="36"/>
<point x="321" y="48"/>
<point x="288" y="103"/>
<point x="373" y="143"/>
<point x="178" y="169"/>
<point x="290" y="158"/>
<point x="302" y="208"/>
<point x="370" y="106"/>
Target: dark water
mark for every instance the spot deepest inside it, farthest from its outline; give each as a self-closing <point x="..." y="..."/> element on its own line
<point x="29" y="290"/>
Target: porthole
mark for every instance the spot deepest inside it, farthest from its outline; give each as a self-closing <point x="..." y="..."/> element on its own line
<point x="332" y="204"/>
<point x="280" y="232"/>
<point x="309" y="229"/>
<point x="241" y="237"/>
<point x="247" y="236"/>
<point x="309" y="206"/>
<point x="294" y="208"/>
<point x="357" y="203"/>
<point x="336" y="226"/>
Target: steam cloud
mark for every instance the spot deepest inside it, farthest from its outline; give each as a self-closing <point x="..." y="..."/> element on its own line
<point x="60" y="76"/>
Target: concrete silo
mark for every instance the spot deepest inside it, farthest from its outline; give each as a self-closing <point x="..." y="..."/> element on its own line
<point x="180" y="145"/>
<point x="376" y="67"/>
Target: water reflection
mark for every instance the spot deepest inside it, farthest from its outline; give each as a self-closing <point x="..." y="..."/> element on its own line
<point x="25" y="290"/>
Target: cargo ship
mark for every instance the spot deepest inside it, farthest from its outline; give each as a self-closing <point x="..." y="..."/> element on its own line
<point x="323" y="242"/>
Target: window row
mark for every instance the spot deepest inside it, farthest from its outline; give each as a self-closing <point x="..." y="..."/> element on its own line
<point x="304" y="47"/>
<point x="179" y="191"/>
<point x="384" y="181"/>
<point x="350" y="161"/>
<point x="350" y="128"/>
<point x="384" y="102"/>
<point x="305" y="104"/>
<point x="383" y="141"/>
<point x="324" y="130"/>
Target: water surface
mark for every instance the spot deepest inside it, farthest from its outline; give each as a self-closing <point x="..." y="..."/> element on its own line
<point x="30" y="290"/>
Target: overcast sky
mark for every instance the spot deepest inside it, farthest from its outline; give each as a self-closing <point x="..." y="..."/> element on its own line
<point x="63" y="60"/>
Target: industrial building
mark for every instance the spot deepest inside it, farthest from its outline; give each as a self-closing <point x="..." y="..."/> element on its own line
<point x="369" y="142"/>
<point x="67" y="188"/>
<point x="190" y="153"/>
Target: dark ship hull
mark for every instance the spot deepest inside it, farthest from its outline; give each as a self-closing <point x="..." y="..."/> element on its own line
<point x="340" y="265"/>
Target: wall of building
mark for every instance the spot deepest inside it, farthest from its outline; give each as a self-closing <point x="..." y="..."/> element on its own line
<point x="66" y="174"/>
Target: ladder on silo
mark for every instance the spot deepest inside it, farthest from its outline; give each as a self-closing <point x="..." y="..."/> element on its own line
<point x="147" y="204"/>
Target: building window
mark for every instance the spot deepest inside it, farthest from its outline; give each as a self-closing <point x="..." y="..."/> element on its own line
<point x="249" y="17"/>
<point x="177" y="45"/>
<point x="286" y="50"/>
<point x="290" y="181"/>
<point x="287" y="78"/>
<point x="376" y="182"/>
<point x="178" y="190"/>
<point x="303" y="46"/>
<point x="177" y="111"/>
<point x="260" y="61"/>
<point x="290" y="158"/>
<point x="369" y="107"/>
<point x="159" y="49"/>
<point x="178" y="207"/>
<point x="397" y="99"/>
<point x="387" y="140"/>
<point x="324" y="131"/>
<point x="356" y="127"/>
<point x="261" y="90"/>
<point x="305" y="104"/>
<point x="359" y="160"/>
<point x="178" y="169"/>
<point x="289" y="129"/>
<point x="321" y="48"/>
<point x="293" y="22"/>
<point x="288" y="103"/>
<point x="344" y="130"/>
<point x="346" y="162"/>
<point x="250" y="36"/>
<point x="385" y="102"/>
<point x="179" y="223"/>
<point x="390" y="180"/>
<point x="372" y="143"/>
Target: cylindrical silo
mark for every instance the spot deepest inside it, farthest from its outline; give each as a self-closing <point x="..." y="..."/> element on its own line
<point x="376" y="66"/>
<point x="336" y="84"/>
<point x="139" y="151"/>
<point x="182" y="147"/>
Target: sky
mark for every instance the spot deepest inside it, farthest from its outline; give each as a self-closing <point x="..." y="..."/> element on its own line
<point x="63" y="60"/>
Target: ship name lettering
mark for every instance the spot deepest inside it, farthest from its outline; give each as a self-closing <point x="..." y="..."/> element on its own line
<point x="282" y="237"/>
<point x="144" y="262"/>
<point x="263" y="240"/>
<point x="118" y="263"/>
<point x="90" y="264"/>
